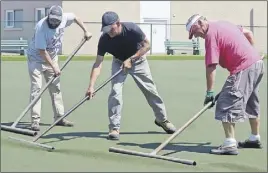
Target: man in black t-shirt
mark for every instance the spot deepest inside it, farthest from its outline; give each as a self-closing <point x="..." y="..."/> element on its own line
<point x="128" y="44"/>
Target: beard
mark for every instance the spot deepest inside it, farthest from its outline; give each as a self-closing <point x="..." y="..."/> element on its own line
<point x="52" y="26"/>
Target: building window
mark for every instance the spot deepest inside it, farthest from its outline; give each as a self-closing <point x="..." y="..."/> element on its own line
<point x="14" y="18"/>
<point x="40" y="13"/>
<point x="46" y="11"/>
<point x="9" y="18"/>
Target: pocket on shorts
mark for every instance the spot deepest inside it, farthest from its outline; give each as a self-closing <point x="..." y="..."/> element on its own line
<point x="236" y="111"/>
<point x="236" y="93"/>
<point x="232" y="82"/>
<point x="230" y="104"/>
<point x="230" y="107"/>
<point x="233" y="91"/>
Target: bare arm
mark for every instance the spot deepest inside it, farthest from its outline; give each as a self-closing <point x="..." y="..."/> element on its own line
<point x="46" y="57"/>
<point x="96" y="69"/>
<point x="210" y="75"/>
<point x="143" y="50"/>
<point x="249" y="35"/>
<point x="79" y="22"/>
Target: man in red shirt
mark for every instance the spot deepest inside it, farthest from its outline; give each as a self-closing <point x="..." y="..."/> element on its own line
<point x="232" y="48"/>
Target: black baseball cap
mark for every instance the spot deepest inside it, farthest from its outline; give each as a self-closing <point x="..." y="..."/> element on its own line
<point x="108" y="18"/>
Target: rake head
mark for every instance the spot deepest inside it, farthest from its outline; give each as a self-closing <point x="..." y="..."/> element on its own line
<point x="49" y="148"/>
<point x="152" y="155"/>
<point x="18" y="130"/>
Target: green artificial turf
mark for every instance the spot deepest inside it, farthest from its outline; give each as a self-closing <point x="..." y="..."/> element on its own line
<point x="84" y="147"/>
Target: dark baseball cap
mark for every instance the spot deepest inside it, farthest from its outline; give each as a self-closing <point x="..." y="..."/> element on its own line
<point x="55" y="12"/>
<point x="108" y="18"/>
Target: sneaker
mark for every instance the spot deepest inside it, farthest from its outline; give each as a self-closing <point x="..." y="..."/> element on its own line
<point x="167" y="126"/>
<point x="65" y="123"/>
<point x="225" y="150"/>
<point x="113" y="134"/>
<point x="35" y="126"/>
<point x="250" y="144"/>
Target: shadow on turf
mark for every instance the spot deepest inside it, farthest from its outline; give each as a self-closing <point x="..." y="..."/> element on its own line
<point x="175" y="147"/>
<point x="74" y="135"/>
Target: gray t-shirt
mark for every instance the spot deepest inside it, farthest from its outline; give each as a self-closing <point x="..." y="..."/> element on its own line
<point x="48" y="39"/>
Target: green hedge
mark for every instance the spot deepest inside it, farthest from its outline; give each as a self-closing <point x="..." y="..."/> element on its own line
<point x="90" y="57"/>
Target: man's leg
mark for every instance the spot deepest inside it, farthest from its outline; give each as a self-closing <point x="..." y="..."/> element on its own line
<point x="232" y="104"/>
<point x="142" y="76"/>
<point x="253" y="111"/>
<point x="56" y="96"/>
<point x="35" y="71"/>
<point x="230" y="110"/>
<point x="115" y="101"/>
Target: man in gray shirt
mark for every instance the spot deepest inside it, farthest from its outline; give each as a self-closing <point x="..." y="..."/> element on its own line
<point x="43" y="60"/>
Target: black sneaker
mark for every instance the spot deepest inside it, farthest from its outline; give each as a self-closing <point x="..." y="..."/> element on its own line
<point x="250" y="144"/>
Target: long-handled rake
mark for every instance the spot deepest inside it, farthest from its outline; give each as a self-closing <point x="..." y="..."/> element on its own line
<point x="153" y="154"/>
<point x="50" y="148"/>
<point x="13" y="127"/>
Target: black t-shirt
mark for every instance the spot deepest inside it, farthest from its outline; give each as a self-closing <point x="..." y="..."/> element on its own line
<point x="124" y="45"/>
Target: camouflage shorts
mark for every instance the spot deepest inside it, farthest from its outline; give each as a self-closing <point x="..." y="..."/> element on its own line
<point x="239" y="96"/>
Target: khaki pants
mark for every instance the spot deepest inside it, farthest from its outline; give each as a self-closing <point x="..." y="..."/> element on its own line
<point x="36" y="70"/>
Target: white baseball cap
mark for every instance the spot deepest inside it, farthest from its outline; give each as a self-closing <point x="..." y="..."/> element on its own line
<point x="55" y="12"/>
<point x="190" y="23"/>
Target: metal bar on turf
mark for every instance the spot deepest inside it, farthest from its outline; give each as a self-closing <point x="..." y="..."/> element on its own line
<point x="135" y="153"/>
<point x="160" y="147"/>
<point x="153" y="154"/>
<point x="47" y="84"/>
<point x="76" y="106"/>
<point x="65" y="115"/>
<point x="18" y="130"/>
<point x="33" y="143"/>
<point x="13" y="128"/>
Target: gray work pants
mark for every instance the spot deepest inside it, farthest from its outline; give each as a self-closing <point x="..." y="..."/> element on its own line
<point x="141" y="74"/>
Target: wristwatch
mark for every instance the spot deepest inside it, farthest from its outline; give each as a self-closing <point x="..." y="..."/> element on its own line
<point x="132" y="60"/>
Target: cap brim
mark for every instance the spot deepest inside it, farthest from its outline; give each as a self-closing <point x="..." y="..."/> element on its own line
<point x="190" y="36"/>
<point x="190" y="33"/>
<point x="106" y="29"/>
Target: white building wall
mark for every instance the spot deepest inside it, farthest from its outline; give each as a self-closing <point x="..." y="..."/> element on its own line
<point x="237" y="12"/>
<point x="155" y="9"/>
<point x="157" y="13"/>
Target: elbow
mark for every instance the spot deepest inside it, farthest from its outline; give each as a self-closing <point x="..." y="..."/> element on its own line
<point x="250" y="39"/>
<point x="76" y="19"/>
<point x="96" y="69"/>
<point x="249" y="35"/>
<point x="149" y="48"/>
<point x="211" y="67"/>
<point x="97" y="66"/>
<point x="42" y="51"/>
